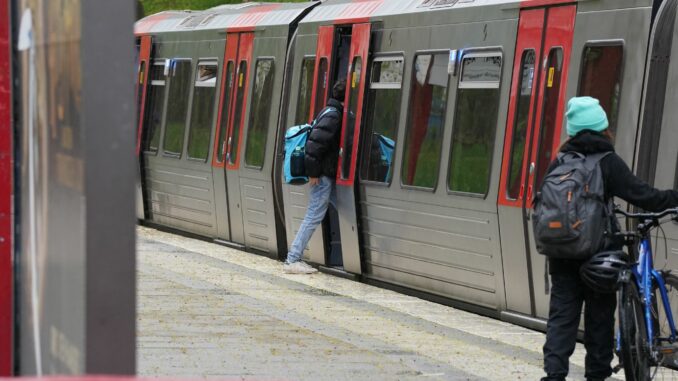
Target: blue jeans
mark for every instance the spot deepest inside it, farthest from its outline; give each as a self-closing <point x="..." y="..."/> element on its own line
<point x="320" y="196"/>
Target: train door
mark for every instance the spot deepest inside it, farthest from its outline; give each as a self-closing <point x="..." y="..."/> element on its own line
<point x="349" y="147"/>
<point x="533" y="136"/>
<point x="145" y="45"/>
<point x="227" y="92"/>
<point x="233" y="137"/>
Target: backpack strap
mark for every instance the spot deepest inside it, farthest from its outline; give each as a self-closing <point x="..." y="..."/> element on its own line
<point x="324" y="112"/>
<point x="593" y="159"/>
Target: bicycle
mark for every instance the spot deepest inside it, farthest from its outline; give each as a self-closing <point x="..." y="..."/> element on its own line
<point x="640" y="343"/>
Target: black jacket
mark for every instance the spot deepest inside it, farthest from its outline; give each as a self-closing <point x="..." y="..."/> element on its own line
<point x="619" y="182"/>
<point x="322" y="146"/>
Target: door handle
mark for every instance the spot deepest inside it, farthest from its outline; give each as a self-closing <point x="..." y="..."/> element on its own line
<point x="529" y="193"/>
<point x="522" y="192"/>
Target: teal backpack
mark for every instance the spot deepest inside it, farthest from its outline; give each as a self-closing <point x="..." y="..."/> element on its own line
<point x="294" y="168"/>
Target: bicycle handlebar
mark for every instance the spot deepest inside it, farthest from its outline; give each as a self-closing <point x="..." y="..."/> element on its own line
<point x="647" y="216"/>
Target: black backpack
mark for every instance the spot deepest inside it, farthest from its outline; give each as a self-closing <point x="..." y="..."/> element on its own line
<point x="571" y="218"/>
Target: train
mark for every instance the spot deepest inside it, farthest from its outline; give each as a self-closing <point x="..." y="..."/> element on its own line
<point x="454" y="109"/>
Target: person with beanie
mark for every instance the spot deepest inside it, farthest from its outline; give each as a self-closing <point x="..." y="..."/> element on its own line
<point x="587" y="127"/>
<point x="321" y="157"/>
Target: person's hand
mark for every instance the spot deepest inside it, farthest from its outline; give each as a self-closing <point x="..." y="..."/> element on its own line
<point x="314" y="181"/>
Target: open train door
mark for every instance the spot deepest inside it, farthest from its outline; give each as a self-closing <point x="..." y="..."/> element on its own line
<point x="533" y="134"/>
<point x="349" y="146"/>
<point x="145" y="44"/>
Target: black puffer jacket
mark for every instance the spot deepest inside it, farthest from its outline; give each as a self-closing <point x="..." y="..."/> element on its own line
<point x="619" y="182"/>
<point x="322" y="146"/>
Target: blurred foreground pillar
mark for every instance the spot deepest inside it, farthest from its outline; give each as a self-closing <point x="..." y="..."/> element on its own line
<point x="74" y="201"/>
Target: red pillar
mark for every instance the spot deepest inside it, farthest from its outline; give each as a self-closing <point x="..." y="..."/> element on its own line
<point x="6" y="188"/>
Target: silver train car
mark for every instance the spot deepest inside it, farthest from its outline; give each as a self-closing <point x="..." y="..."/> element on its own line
<point x="454" y="108"/>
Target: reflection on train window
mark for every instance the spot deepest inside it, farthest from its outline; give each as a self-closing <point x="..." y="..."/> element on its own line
<point x="177" y="105"/>
<point x="155" y="101"/>
<point x="202" y="112"/>
<point x="241" y="87"/>
<point x="261" y="109"/>
<point x="353" y="84"/>
<point x="383" y="110"/>
<point x="547" y="135"/>
<point x="225" y="103"/>
<point x="520" y="125"/>
<point x="305" y="91"/>
<point x="475" y="123"/>
<point x="601" y="78"/>
<point x="423" y="139"/>
<point x="322" y="86"/>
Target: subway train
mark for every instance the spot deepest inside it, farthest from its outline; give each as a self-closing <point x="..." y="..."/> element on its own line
<point x="454" y="109"/>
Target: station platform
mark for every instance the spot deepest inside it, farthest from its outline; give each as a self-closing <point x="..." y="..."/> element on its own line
<point x="206" y="310"/>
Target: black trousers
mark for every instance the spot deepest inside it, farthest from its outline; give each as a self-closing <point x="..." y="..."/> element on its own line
<point x="568" y="293"/>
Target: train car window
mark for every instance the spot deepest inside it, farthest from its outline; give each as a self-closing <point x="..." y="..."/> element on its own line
<point x="423" y="139"/>
<point x="234" y="139"/>
<point x="383" y="110"/>
<point x="475" y="123"/>
<point x="353" y="82"/>
<point x="520" y="125"/>
<point x="601" y="78"/>
<point x="177" y="107"/>
<point x="322" y="86"/>
<point x="223" y="124"/>
<point x="155" y="102"/>
<point x="261" y="109"/>
<point x="305" y="91"/>
<point x="550" y="109"/>
<point x="202" y="111"/>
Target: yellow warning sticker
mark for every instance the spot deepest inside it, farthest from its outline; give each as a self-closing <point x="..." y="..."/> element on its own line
<point x="552" y="72"/>
<point x="354" y="80"/>
<point x="240" y="80"/>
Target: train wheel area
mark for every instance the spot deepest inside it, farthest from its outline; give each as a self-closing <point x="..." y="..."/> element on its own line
<point x="208" y="310"/>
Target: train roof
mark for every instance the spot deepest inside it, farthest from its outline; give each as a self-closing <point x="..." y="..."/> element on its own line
<point x="229" y="16"/>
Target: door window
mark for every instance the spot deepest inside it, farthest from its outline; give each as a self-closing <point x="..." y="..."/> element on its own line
<point x="177" y="107"/>
<point x="475" y="123"/>
<point x="202" y="110"/>
<point x="241" y="84"/>
<point x="554" y="69"/>
<point x="261" y="109"/>
<point x="520" y="126"/>
<point x="601" y="78"/>
<point x="423" y="139"/>
<point x="226" y="102"/>
<point x="322" y="86"/>
<point x="353" y="84"/>
<point x="383" y="112"/>
<point x="305" y="91"/>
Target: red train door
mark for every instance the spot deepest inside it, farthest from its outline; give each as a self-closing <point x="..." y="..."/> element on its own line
<point x="144" y="64"/>
<point x="533" y="135"/>
<point x="230" y="122"/>
<point x="349" y="145"/>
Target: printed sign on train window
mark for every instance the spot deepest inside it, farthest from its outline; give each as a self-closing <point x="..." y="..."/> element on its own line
<point x="481" y="68"/>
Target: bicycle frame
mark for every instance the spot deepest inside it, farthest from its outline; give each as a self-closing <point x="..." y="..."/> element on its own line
<point x="644" y="274"/>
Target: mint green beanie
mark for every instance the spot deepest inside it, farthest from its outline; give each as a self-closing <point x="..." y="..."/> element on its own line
<point x="585" y="113"/>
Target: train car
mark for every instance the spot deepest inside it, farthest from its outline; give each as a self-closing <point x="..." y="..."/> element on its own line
<point x="454" y="108"/>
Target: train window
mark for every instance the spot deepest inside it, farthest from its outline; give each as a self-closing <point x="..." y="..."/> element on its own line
<point x="305" y="91"/>
<point x="322" y="86"/>
<point x="475" y="123"/>
<point x="353" y="83"/>
<point x="233" y="139"/>
<point x="423" y="139"/>
<point x="155" y="102"/>
<point x="547" y="138"/>
<point x="177" y="106"/>
<point x="202" y="111"/>
<point x="223" y="124"/>
<point x="601" y="77"/>
<point x="259" y="116"/>
<point x="520" y="125"/>
<point x="383" y="110"/>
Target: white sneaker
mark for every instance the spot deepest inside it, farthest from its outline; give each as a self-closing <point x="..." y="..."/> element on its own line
<point x="300" y="267"/>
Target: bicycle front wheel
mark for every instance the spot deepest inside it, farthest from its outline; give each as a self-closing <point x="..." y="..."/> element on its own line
<point x="633" y="334"/>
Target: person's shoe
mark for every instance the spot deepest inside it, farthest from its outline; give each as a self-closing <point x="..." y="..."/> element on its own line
<point x="300" y="267"/>
<point x="553" y="379"/>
